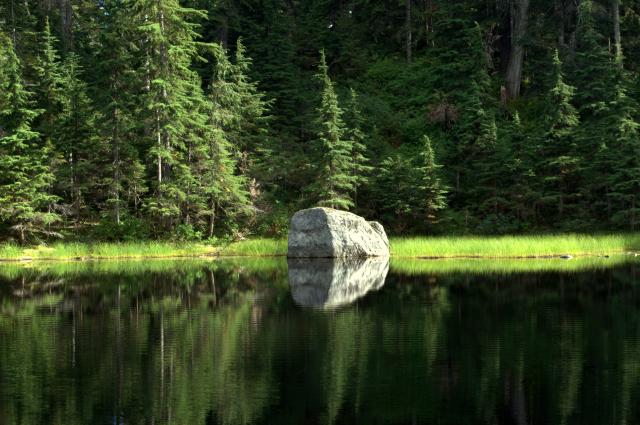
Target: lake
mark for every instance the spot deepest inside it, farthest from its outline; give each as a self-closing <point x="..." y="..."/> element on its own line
<point x="263" y="341"/>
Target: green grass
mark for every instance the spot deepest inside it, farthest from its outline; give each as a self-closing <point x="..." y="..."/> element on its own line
<point x="72" y="251"/>
<point x="256" y="248"/>
<point x="514" y="246"/>
<point x="416" y="266"/>
<point x="405" y="247"/>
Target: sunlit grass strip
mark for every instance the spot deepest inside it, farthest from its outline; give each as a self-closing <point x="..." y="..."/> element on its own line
<point x="256" y="247"/>
<point x="72" y="251"/>
<point x="415" y="266"/>
<point x="413" y="247"/>
<point x="514" y="246"/>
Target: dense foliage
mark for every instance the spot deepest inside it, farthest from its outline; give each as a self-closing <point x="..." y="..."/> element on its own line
<point x="201" y="118"/>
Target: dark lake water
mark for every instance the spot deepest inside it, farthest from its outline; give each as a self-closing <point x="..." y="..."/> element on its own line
<point x="266" y="342"/>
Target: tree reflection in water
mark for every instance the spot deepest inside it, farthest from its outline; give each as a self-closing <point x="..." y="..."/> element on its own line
<point x="226" y="342"/>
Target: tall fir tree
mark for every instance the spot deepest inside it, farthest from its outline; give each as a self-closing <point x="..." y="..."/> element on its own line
<point x="25" y="177"/>
<point x="354" y="121"/>
<point x="428" y="184"/>
<point x="168" y="104"/>
<point x="122" y="174"/>
<point x="558" y="157"/>
<point x="335" y="179"/>
<point x="225" y="190"/>
<point x="619" y="158"/>
<point x="410" y="190"/>
<point x="49" y="91"/>
<point x="77" y="142"/>
<point x="601" y="87"/>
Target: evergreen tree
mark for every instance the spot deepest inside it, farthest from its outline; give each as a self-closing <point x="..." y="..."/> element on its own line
<point x="122" y="171"/>
<point x="169" y="102"/>
<point x="600" y="83"/>
<point x="428" y="184"/>
<point x="50" y="94"/>
<point x="410" y="189"/>
<point x="225" y="192"/>
<point x="76" y="140"/>
<point x="354" y="121"/>
<point x="559" y="161"/>
<point x="24" y="174"/>
<point x="619" y="158"/>
<point x="519" y="177"/>
<point x="335" y="181"/>
<point x="475" y="131"/>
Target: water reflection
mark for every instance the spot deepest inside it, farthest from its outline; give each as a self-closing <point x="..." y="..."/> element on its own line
<point x="334" y="282"/>
<point x="224" y="343"/>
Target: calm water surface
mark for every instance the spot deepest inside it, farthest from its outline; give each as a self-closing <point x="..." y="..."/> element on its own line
<point x="266" y="342"/>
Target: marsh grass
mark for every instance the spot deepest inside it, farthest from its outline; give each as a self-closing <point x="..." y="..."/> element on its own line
<point x="402" y="247"/>
<point x="514" y="246"/>
<point x="72" y="251"/>
<point x="256" y="248"/>
<point x="417" y="266"/>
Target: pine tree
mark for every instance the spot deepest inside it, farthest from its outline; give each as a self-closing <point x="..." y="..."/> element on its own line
<point x="225" y="192"/>
<point x="76" y="138"/>
<point x="169" y="101"/>
<point x="354" y="121"/>
<point x="395" y="192"/>
<point x="519" y="177"/>
<point x="252" y="132"/>
<point x="49" y="90"/>
<point x="429" y="186"/>
<point x="600" y="91"/>
<point x="24" y="174"/>
<point x="335" y="181"/>
<point x="462" y="75"/>
<point x="619" y="158"/>
<point x="122" y="171"/>
<point x="559" y="160"/>
<point x="410" y="190"/>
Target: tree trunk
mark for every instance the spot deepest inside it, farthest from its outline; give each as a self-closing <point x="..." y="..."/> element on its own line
<point x="633" y="213"/>
<point x="518" y="22"/>
<point x="407" y="28"/>
<point x="212" y="218"/>
<point x="116" y="166"/>
<point x="616" y="30"/>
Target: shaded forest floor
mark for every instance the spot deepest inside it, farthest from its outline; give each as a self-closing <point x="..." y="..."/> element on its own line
<point x="543" y="246"/>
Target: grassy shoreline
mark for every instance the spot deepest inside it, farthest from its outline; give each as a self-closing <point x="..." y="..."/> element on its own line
<point x="546" y="246"/>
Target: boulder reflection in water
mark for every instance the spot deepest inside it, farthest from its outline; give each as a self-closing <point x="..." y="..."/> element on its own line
<point x="333" y="282"/>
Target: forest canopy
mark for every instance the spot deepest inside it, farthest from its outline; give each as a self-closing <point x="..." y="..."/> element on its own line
<point x="197" y="119"/>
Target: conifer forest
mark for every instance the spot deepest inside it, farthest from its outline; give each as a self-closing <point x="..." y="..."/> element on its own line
<point x="200" y="119"/>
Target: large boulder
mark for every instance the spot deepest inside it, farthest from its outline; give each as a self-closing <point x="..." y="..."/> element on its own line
<point x="334" y="282"/>
<point x="329" y="233"/>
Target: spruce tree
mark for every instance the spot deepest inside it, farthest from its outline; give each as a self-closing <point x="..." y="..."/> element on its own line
<point x="519" y="177"/>
<point x="224" y="191"/>
<point x="76" y="138"/>
<point x="122" y="176"/>
<point x="50" y="95"/>
<point x="600" y="96"/>
<point x="354" y="121"/>
<point x="431" y="191"/>
<point x="168" y="106"/>
<point x="410" y="190"/>
<point x="559" y="160"/>
<point x="25" y="176"/>
<point x="619" y="157"/>
<point x="335" y="180"/>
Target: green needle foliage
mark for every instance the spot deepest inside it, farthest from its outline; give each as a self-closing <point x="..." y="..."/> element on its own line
<point x="192" y="119"/>
<point x="25" y="177"/>
<point x="335" y="180"/>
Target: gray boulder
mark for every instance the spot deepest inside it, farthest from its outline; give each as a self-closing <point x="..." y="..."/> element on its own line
<point x="329" y="233"/>
<point x="334" y="282"/>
